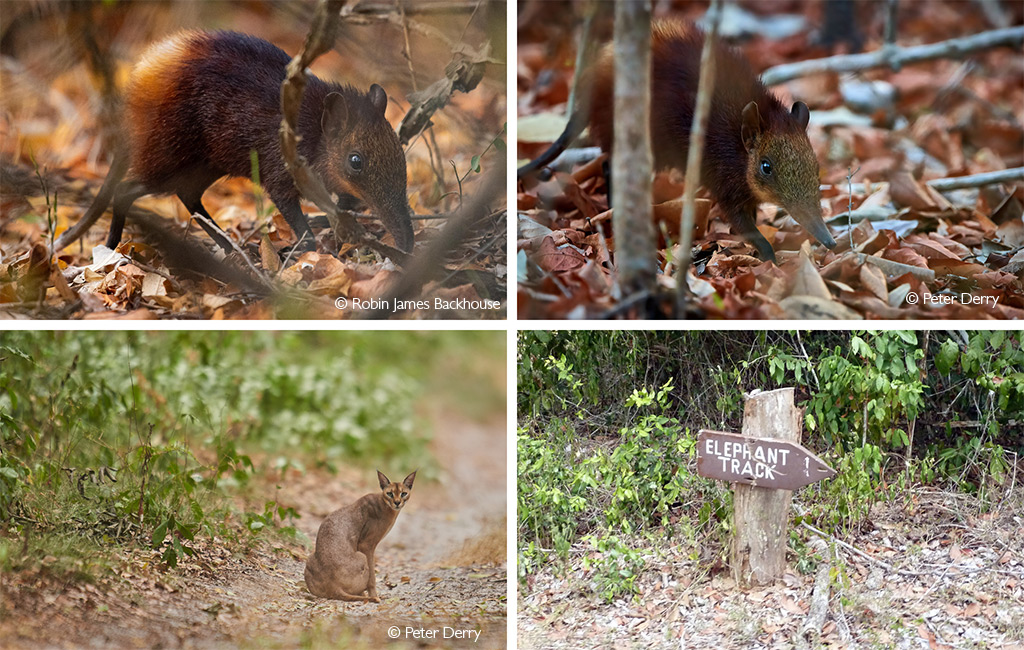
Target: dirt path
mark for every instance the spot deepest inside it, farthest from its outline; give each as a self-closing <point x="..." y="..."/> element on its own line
<point x="441" y="572"/>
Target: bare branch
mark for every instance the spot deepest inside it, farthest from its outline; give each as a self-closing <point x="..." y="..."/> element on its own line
<point x="234" y="245"/>
<point x="894" y="57"/>
<point x="350" y="16"/>
<point x="977" y="180"/>
<point x="189" y="253"/>
<point x="959" y="182"/>
<point x="462" y="74"/>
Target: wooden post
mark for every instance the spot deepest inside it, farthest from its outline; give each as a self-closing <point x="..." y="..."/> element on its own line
<point x="760" y="515"/>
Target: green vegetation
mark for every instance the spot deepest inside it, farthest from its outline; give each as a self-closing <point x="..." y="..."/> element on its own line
<point x="571" y="487"/>
<point x="608" y="422"/>
<point x="142" y="439"/>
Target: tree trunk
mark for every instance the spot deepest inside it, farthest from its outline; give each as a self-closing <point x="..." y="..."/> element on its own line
<point x="761" y="515"/>
<point x="631" y="150"/>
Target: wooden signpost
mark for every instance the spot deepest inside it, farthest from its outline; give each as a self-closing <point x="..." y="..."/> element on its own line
<point x="765" y="463"/>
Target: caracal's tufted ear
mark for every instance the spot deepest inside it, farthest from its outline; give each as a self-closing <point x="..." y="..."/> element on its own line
<point x="409" y="479"/>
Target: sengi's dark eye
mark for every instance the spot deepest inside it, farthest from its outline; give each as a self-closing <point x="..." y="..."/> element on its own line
<point x="355" y="162"/>
<point x="766" y="167"/>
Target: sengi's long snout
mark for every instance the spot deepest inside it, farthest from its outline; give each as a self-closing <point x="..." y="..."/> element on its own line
<point x="812" y="223"/>
<point x="398" y="221"/>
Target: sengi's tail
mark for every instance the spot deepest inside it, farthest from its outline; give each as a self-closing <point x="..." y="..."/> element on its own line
<point x="118" y="170"/>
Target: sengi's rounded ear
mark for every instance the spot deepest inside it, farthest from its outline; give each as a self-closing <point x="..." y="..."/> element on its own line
<point x="378" y="98"/>
<point x="750" y="126"/>
<point x="801" y="114"/>
<point x="335" y="117"/>
<point x="384" y="481"/>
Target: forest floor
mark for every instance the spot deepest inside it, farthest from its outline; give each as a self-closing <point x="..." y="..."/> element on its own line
<point x="945" y="575"/>
<point x="440" y="571"/>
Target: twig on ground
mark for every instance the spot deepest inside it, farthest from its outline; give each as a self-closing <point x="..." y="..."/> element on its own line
<point x="252" y="267"/>
<point x="624" y="305"/>
<point x="810" y="631"/>
<point x="954" y="183"/>
<point x="977" y="180"/>
<point x="897" y="268"/>
<point x="496" y="238"/>
<point x="885" y="565"/>
<point x="185" y="252"/>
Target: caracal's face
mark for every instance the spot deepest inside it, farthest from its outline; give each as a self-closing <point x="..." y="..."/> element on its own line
<point x="396" y="495"/>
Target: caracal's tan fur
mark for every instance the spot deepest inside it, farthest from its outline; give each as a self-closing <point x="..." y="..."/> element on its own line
<point x="341" y="567"/>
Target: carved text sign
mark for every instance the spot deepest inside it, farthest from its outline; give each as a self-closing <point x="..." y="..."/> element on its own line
<point x="764" y="462"/>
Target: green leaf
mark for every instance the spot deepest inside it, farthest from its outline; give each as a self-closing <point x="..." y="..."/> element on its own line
<point x="997" y="339"/>
<point x="474" y="164"/>
<point x="946" y="357"/>
<point x="908" y="336"/>
<point x="170" y="557"/>
<point x="160" y="533"/>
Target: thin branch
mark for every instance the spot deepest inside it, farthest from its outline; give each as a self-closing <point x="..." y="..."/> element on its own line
<point x="701" y="114"/>
<point x="897" y="268"/>
<point x="463" y="73"/>
<point x="954" y="182"/>
<point x="977" y="180"/>
<point x="586" y="50"/>
<point x="810" y="632"/>
<point x="349" y="16"/>
<point x="260" y="277"/>
<point x="807" y="358"/>
<point x="849" y="202"/>
<point x="894" y="56"/>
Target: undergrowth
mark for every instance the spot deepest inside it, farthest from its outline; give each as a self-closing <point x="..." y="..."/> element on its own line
<point x="577" y="493"/>
<point x="140" y="439"/>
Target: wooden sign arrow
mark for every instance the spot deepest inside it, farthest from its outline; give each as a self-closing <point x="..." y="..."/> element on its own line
<point x="763" y="462"/>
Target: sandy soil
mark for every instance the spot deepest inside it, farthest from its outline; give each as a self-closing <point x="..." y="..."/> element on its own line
<point x="441" y="572"/>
